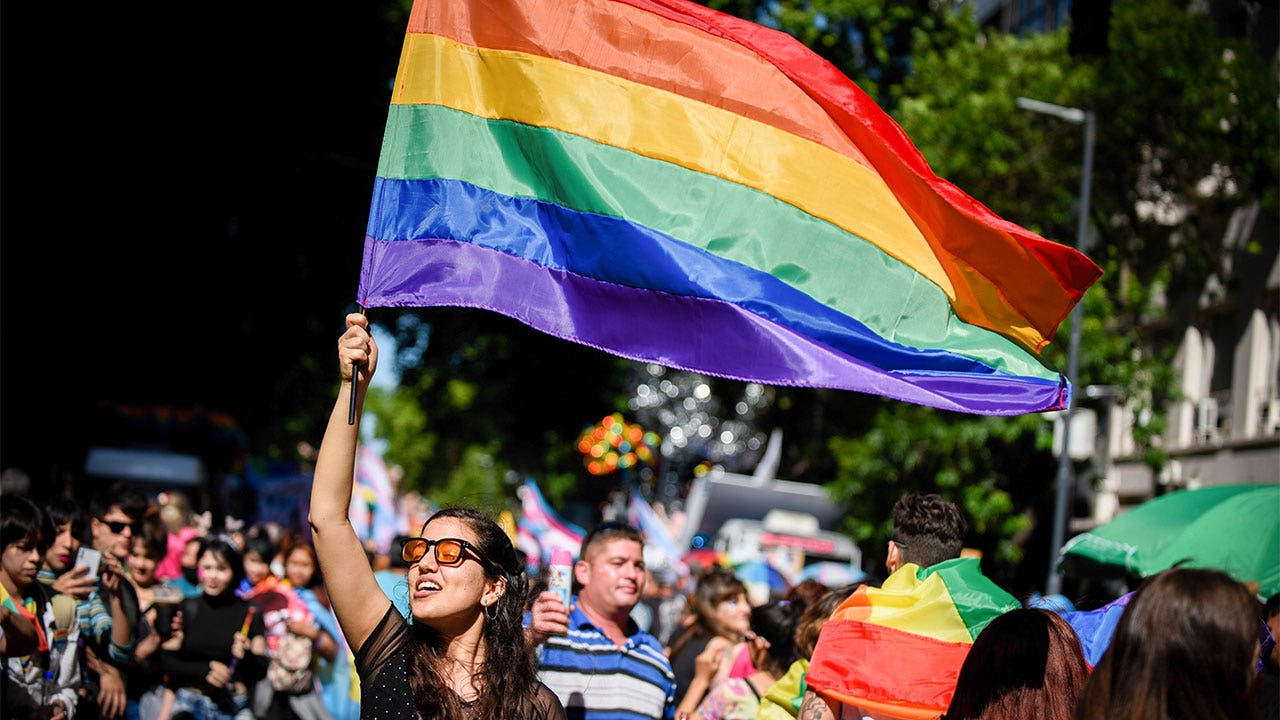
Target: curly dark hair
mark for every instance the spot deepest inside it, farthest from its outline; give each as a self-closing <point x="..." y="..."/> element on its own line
<point x="928" y="528"/>
<point x="507" y="681"/>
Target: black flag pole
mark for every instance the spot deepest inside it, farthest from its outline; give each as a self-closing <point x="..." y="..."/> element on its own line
<point x="355" y="375"/>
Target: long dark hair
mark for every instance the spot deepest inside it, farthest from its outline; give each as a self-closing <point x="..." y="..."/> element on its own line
<point x="508" y="679"/>
<point x="715" y="586"/>
<point x="1183" y="648"/>
<point x="1026" y="663"/>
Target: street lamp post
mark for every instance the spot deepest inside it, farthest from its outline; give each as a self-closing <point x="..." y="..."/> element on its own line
<point x="1066" y="475"/>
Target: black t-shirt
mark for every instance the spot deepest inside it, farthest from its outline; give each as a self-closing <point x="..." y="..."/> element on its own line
<point x="383" y="665"/>
<point x="685" y="664"/>
<point x="208" y="625"/>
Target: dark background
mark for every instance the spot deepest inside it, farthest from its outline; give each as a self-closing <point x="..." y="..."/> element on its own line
<point x="185" y="189"/>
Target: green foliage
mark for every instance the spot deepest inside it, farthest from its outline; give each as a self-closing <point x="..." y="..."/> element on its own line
<point x="477" y="481"/>
<point x="871" y="41"/>
<point x="983" y="464"/>
<point x="402" y="422"/>
<point x="1175" y="103"/>
<point x="481" y="397"/>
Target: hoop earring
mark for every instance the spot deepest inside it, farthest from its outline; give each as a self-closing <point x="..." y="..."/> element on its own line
<point x="491" y="606"/>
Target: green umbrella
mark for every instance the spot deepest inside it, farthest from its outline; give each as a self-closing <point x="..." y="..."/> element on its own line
<point x="1233" y="528"/>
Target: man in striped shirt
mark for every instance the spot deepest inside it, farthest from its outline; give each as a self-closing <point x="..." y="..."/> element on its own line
<point x="592" y="655"/>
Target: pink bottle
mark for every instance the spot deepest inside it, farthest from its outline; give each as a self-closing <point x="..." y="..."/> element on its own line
<point x="560" y="574"/>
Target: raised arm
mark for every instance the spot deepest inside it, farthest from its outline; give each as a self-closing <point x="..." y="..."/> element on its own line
<point x="357" y="600"/>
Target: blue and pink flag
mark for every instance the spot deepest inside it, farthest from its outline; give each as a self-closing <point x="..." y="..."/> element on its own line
<point x="660" y="547"/>
<point x="373" y="511"/>
<point x="539" y="530"/>
<point x="674" y="185"/>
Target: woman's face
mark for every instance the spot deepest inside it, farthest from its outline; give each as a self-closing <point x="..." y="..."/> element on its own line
<point x="62" y="550"/>
<point x="735" y="613"/>
<point x="299" y="568"/>
<point x="19" y="564"/>
<point x="142" y="567"/>
<point x="215" y="574"/>
<point x="448" y="598"/>
<point x="256" y="568"/>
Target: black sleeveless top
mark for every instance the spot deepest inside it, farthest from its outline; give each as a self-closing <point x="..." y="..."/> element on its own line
<point x="383" y="666"/>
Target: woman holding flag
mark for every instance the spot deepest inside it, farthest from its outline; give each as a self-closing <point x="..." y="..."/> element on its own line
<point x="463" y="656"/>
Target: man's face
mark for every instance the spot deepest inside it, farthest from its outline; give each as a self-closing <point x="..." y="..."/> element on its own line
<point x="113" y="532"/>
<point x="612" y="576"/>
<point x="62" y="551"/>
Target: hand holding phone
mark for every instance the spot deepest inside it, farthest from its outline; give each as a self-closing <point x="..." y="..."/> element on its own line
<point x="89" y="558"/>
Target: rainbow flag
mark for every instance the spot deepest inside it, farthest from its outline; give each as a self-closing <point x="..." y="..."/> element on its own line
<point x="675" y="185"/>
<point x="896" y="651"/>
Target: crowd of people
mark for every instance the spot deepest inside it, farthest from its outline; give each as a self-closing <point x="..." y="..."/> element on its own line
<point x="128" y="608"/>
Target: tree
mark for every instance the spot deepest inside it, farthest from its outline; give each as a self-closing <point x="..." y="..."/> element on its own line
<point x="1187" y="132"/>
<point x="484" y="397"/>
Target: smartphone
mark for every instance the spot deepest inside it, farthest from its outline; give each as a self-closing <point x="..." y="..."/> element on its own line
<point x="90" y="558"/>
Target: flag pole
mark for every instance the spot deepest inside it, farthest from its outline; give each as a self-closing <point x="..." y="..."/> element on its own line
<point x="355" y="375"/>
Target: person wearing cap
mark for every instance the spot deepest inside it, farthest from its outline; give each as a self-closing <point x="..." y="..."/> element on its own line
<point x="592" y="654"/>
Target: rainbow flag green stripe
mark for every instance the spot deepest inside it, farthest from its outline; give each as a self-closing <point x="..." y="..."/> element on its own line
<point x="747" y="227"/>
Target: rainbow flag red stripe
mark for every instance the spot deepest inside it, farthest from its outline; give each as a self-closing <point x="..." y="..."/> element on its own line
<point x="675" y="185"/>
<point x="897" y="650"/>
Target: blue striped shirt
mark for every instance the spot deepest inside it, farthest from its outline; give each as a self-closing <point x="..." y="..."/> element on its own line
<point x="597" y="680"/>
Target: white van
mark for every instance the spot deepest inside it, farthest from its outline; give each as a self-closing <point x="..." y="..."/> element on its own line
<point x="787" y="540"/>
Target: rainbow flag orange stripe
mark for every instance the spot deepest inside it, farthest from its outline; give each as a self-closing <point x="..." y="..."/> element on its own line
<point x="925" y="619"/>
<point x="674" y="185"/>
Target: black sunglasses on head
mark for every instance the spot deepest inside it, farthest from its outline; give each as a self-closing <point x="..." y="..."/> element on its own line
<point x="448" y="551"/>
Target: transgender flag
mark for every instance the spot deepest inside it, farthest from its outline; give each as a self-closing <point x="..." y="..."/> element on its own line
<point x="659" y="545"/>
<point x="373" y="512"/>
<point x="674" y="185"/>
<point x="539" y="531"/>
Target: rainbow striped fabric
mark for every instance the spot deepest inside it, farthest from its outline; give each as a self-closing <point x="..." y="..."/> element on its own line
<point x="896" y="651"/>
<point x="674" y="185"/>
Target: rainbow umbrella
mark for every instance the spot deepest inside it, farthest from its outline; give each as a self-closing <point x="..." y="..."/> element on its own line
<point x="1232" y="528"/>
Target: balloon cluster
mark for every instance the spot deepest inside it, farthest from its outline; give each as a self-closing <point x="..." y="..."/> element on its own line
<point x="615" y="444"/>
